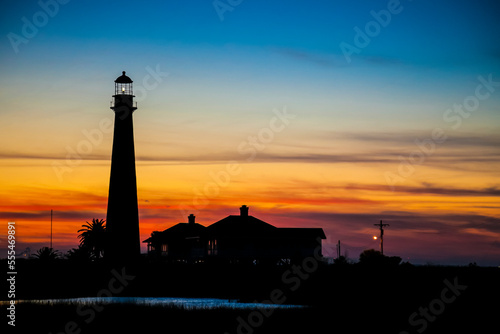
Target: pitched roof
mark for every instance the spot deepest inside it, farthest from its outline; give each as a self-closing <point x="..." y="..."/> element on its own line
<point x="249" y="226"/>
<point x="285" y="232"/>
<point x="240" y="225"/>
<point x="180" y="231"/>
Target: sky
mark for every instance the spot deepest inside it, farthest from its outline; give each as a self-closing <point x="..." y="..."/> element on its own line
<point x="331" y="114"/>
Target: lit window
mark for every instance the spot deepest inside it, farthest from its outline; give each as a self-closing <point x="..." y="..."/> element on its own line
<point x="212" y="247"/>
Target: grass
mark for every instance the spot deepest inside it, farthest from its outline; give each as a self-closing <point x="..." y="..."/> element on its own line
<point x="128" y="318"/>
<point x="354" y="315"/>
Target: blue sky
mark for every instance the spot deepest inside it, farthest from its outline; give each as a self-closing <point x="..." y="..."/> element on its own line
<point x="423" y="33"/>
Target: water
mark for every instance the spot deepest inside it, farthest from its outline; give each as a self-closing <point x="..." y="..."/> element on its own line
<point x="187" y="303"/>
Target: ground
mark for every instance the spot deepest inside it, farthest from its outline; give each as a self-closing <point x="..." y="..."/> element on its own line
<point x="339" y="298"/>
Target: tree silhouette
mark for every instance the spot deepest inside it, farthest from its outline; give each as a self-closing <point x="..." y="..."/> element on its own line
<point x="80" y="254"/>
<point x="341" y="261"/>
<point x="46" y="254"/>
<point x="93" y="237"/>
<point x="373" y="257"/>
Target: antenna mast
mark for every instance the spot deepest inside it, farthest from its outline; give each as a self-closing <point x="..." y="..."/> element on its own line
<point x="50" y="228"/>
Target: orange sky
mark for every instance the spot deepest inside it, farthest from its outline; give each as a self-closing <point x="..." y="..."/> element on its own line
<point x="344" y="198"/>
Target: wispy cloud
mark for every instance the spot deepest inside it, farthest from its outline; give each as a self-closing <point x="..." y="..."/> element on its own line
<point x="321" y="60"/>
<point x="336" y="60"/>
<point x="429" y="189"/>
<point x="49" y="156"/>
<point x="408" y="138"/>
<point x="81" y="215"/>
<point x="482" y="232"/>
<point x="368" y="147"/>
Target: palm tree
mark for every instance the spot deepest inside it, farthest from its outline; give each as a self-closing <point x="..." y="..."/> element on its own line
<point x="93" y="237"/>
<point x="46" y="254"/>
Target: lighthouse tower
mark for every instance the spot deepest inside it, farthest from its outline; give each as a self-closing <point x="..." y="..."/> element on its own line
<point x="122" y="221"/>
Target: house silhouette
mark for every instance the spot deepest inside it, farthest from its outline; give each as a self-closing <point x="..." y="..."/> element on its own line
<point x="235" y="239"/>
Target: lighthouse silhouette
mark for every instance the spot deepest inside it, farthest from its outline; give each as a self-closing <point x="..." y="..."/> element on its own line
<point x="122" y="220"/>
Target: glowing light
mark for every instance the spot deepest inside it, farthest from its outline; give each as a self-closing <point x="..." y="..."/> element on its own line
<point x="375" y="237"/>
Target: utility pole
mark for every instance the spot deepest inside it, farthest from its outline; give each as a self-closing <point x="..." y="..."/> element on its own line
<point x="381" y="226"/>
<point x="338" y="250"/>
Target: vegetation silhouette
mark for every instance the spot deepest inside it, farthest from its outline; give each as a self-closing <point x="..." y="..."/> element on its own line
<point x="81" y="254"/>
<point x="341" y="261"/>
<point x="47" y="254"/>
<point x="93" y="238"/>
<point x="371" y="257"/>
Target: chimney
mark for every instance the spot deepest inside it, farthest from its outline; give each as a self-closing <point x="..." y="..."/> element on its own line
<point x="244" y="211"/>
<point x="191" y="218"/>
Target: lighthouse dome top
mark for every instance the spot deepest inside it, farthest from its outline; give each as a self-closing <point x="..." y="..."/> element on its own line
<point x="123" y="79"/>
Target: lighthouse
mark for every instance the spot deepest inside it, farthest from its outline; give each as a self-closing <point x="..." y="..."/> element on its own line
<point x="122" y="219"/>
